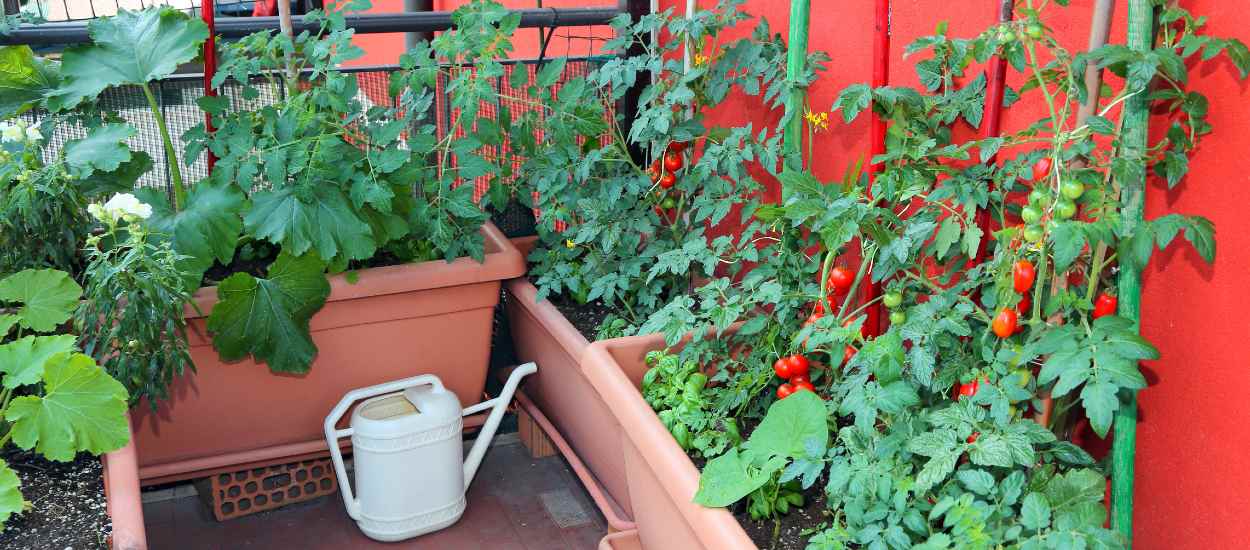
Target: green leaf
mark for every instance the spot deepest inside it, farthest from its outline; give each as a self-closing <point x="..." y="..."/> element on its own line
<point x="82" y="409"/>
<point x="207" y="229"/>
<point x="935" y="471"/>
<point x="977" y="481"/>
<point x="727" y="479"/>
<point x="133" y="47"/>
<point x="1067" y="240"/>
<point x="852" y="100"/>
<point x="1035" y="512"/>
<point x="550" y="72"/>
<point x="103" y="149"/>
<point x="320" y="219"/>
<point x="991" y="450"/>
<point x="22" y="361"/>
<point x="121" y="180"/>
<point x="268" y="318"/>
<point x="48" y="297"/>
<point x="1100" y="402"/>
<point x="11" y="501"/>
<point x="1100" y="125"/>
<point x="25" y="80"/>
<point x="947" y="235"/>
<point x="789" y="425"/>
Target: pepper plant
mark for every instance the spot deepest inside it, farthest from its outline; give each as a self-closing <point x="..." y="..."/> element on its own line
<point x="637" y="234"/>
<point x="54" y="400"/>
<point x="951" y="427"/>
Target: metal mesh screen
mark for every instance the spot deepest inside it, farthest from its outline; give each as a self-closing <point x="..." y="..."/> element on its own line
<point x="177" y="98"/>
<point x="78" y="10"/>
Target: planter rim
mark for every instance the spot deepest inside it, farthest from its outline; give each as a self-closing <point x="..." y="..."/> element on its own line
<point x="547" y="314"/>
<point x="502" y="261"/>
<point x="715" y="527"/>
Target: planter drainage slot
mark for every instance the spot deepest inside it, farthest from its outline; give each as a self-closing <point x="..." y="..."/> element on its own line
<point x="410" y="471"/>
<point x="246" y="492"/>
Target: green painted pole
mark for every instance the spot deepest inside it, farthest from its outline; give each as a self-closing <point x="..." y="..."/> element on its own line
<point x="796" y="60"/>
<point x="1132" y="202"/>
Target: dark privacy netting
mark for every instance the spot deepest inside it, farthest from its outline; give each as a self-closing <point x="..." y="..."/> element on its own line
<point x="177" y="98"/>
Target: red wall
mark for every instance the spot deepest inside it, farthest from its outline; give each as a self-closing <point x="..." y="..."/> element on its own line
<point x="1192" y="482"/>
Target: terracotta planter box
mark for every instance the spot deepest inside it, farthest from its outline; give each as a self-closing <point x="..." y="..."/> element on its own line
<point x="121" y="491"/>
<point x="540" y="333"/>
<point x="661" y="479"/>
<point x="393" y="322"/>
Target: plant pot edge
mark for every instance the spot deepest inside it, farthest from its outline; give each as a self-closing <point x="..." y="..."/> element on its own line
<point x="123" y="498"/>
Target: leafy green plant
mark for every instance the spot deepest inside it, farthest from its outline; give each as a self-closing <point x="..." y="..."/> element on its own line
<point x="131" y="319"/>
<point x="614" y="229"/>
<point x="53" y="399"/>
<point x="953" y="423"/>
<point x="677" y="391"/>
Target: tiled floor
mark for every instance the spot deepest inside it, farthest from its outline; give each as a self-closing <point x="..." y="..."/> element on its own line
<point x="515" y="503"/>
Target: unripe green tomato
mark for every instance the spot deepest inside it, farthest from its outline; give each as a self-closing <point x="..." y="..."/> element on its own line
<point x="1030" y="214"/>
<point x="1006" y="36"/>
<point x="1072" y="189"/>
<point x="897" y="317"/>
<point x="668" y="203"/>
<point x="1065" y="209"/>
<point x="1022" y="377"/>
<point x="892" y="299"/>
<point x="1034" y="30"/>
<point x="1034" y="233"/>
<point x="1039" y="196"/>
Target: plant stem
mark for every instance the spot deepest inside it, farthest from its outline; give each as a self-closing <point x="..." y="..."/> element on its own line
<point x="171" y="155"/>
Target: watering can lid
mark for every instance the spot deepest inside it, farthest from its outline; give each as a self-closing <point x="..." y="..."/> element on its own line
<point x="389" y="416"/>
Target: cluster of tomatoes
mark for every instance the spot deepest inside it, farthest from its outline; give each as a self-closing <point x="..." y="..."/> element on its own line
<point x="663" y="172"/>
<point x="794" y="369"/>
<point x="1007" y="321"/>
<point x="1034" y="215"/>
<point x="1032" y="29"/>
<point x="839" y="284"/>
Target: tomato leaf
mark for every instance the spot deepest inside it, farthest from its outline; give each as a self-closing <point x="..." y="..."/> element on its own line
<point x="268" y="318"/>
<point x="1100" y="402"/>
<point x="82" y="409"/>
<point x="1035" y="512"/>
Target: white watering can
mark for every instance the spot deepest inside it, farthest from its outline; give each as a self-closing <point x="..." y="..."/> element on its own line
<point x="411" y="474"/>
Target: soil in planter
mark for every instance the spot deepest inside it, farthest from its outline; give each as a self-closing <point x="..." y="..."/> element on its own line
<point x="792" y="530"/>
<point x="67" y="504"/>
<point x="585" y="317"/>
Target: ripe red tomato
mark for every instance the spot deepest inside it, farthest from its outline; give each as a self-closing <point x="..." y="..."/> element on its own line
<point x="1004" y="324"/>
<point x="798" y="366"/>
<point x="841" y="279"/>
<point x="1105" y="305"/>
<point x="1022" y="275"/>
<point x="784" y="391"/>
<point x="668" y="180"/>
<point x="677" y="146"/>
<point x="654" y="173"/>
<point x="782" y="368"/>
<point x="796" y="380"/>
<point x="803" y="386"/>
<point x="966" y="390"/>
<point x="673" y="162"/>
<point x="973" y="438"/>
<point x="1023" y="307"/>
<point x="811" y="319"/>
<point x="1041" y="168"/>
<point x="848" y="354"/>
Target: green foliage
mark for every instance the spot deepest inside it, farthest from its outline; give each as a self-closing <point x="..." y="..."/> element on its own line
<point x="131" y="317"/>
<point x="608" y="230"/>
<point x="938" y="442"/>
<point x="53" y="399"/>
<point x="25" y="80"/>
<point x="678" y="393"/>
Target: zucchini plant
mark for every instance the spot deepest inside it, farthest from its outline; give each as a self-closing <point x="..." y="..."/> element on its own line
<point x="54" y="400"/>
<point x="952" y="427"/>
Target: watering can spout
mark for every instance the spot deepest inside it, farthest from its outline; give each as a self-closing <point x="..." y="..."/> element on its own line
<point x="497" y="407"/>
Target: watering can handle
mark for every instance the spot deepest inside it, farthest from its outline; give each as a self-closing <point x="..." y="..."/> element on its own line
<point x="333" y="435"/>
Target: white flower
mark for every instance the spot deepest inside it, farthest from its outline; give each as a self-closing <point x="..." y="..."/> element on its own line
<point x="10" y="132"/>
<point x="33" y="134"/>
<point x="123" y="206"/>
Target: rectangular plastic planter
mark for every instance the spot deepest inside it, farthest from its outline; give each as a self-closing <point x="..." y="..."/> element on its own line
<point x="122" y="496"/>
<point x="540" y="333"/>
<point x="661" y="479"/>
<point x="432" y="317"/>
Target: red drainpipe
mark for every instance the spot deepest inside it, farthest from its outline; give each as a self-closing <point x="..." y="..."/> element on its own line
<point x="992" y="124"/>
<point x="880" y="77"/>
<point x="207" y="10"/>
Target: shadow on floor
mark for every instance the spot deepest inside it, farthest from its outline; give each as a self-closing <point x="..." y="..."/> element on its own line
<point x="515" y="503"/>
